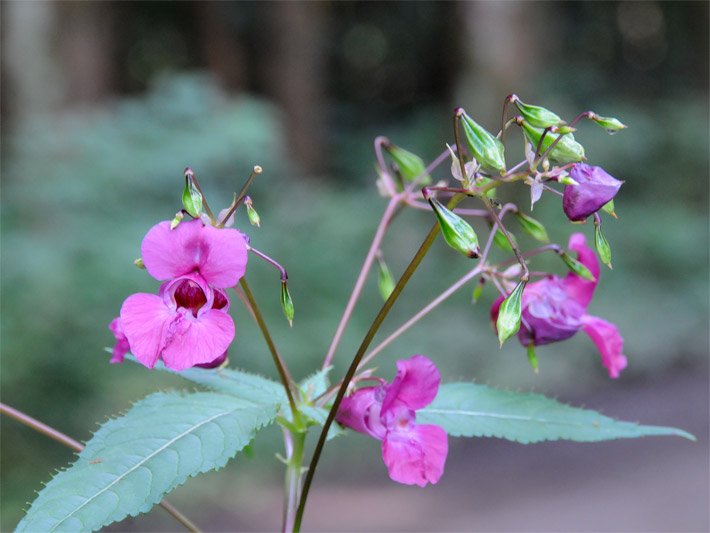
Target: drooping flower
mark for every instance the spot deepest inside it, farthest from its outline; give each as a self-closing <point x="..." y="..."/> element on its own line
<point x="554" y="309"/>
<point x="186" y="324"/>
<point x="413" y="453"/>
<point x="595" y="189"/>
<point x="121" y="348"/>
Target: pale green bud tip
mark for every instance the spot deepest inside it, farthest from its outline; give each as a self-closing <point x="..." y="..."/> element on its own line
<point x="178" y="218"/>
<point x="458" y="233"/>
<point x="478" y="290"/>
<point x="566" y="180"/>
<point x="139" y="263"/>
<point x="287" y="303"/>
<point x="510" y="313"/>
<point x="610" y="124"/>
<point x="385" y="281"/>
<point x="602" y="246"/>
<point x="191" y="196"/>
<point x="532" y="358"/>
<point x="253" y="216"/>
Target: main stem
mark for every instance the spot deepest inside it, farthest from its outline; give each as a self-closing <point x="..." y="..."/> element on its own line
<point x="294" y="474"/>
<point x="75" y="445"/>
<point x="411" y="268"/>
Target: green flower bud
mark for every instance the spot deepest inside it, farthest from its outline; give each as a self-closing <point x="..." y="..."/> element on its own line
<point x="566" y="179"/>
<point x="478" y="290"/>
<point x="532" y="358"/>
<point x="602" y="246"/>
<point x="385" y="281"/>
<point x="139" y="263"/>
<point x="509" y="314"/>
<point x="538" y="116"/>
<point x="485" y="147"/>
<point x="287" y="303"/>
<point x="577" y="267"/>
<point x="500" y="240"/>
<point x="609" y="208"/>
<point x="191" y="197"/>
<point x="253" y="216"/>
<point x="178" y="218"/>
<point x="567" y="150"/>
<point x="610" y="124"/>
<point x="532" y="227"/>
<point x="456" y="231"/>
<point x="410" y="165"/>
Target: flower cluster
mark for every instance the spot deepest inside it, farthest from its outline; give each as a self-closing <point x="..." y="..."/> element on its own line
<point x="187" y="323"/>
<point x="554" y="309"/>
<point x="413" y="453"/>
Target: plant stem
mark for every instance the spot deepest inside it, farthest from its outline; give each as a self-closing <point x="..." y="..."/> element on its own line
<point x="280" y="366"/>
<point x="60" y="437"/>
<point x="272" y="262"/>
<point x="294" y="472"/>
<point x="409" y="271"/>
<point x="526" y="274"/>
<point x="362" y="277"/>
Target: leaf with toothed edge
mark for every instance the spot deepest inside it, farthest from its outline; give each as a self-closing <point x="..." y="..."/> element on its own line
<point x="473" y="410"/>
<point x="132" y="461"/>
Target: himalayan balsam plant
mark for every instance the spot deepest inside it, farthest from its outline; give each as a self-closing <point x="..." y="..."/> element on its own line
<point x="200" y="264"/>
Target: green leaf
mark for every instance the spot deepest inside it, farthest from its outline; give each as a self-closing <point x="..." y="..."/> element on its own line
<point x="318" y="416"/>
<point x="509" y="314"/>
<point x="485" y="147"/>
<point x="134" y="460"/>
<point x="472" y="410"/>
<point x="410" y="165"/>
<point x="315" y="384"/>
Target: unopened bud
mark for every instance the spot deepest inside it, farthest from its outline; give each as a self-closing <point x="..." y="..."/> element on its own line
<point x="254" y="219"/>
<point x="567" y="150"/>
<point x="602" y="246"/>
<point x="577" y="267"/>
<point x="478" y="290"/>
<point x="501" y="241"/>
<point x="385" y="281"/>
<point x="610" y="124"/>
<point x="191" y="196"/>
<point x="456" y="231"/>
<point x="410" y="165"/>
<point x="178" y="218"/>
<point x="532" y="227"/>
<point x="509" y="314"/>
<point x="287" y="303"/>
<point x="538" y="116"/>
<point x="566" y="179"/>
<point x="485" y="147"/>
<point x="139" y="263"/>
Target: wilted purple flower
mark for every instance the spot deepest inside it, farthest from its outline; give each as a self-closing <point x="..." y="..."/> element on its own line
<point x="595" y="189"/>
<point x="413" y="453"/>
<point x="554" y="309"/>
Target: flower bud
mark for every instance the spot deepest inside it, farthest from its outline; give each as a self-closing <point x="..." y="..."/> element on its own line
<point x="385" y="281"/>
<point x="456" y="231"/>
<point x="178" y="218"/>
<point x="410" y="165"/>
<point x="609" y="208"/>
<point x="501" y="241"/>
<point x="254" y="219"/>
<point x="577" y="267"/>
<point x="567" y="150"/>
<point x="610" y="124"/>
<point x="478" y="290"/>
<point x="485" y="147"/>
<point x="566" y="179"/>
<point x="595" y="189"/>
<point x="287" y="303"/>
<point x="532" y="227"/>
<point x="538" y="116"/>
<point x="139" y="263"/>
<point x="508" y="322"/>
<point x="191" y="196"/>
<point x="602" y="246"/>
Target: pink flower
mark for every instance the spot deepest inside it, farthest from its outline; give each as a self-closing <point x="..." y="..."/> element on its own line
<point x="413" y="453"/>
<point x="186" y="324"/>
<point x="121" y="348"/>
<point x="555" y="309"/>
<point x="595" y="188"/>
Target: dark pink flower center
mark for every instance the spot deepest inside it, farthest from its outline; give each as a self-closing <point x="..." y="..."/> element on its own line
<point x="190" y="295"/>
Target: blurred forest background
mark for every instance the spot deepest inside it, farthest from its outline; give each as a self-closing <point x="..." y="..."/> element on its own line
<point x="105" y="103"/>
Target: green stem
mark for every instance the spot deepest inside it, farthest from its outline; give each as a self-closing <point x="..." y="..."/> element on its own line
<point x="295" y="441"/>
<point x="409" y="271"/>
<point x="75" y="445"/>
<point x="280" y="366"/>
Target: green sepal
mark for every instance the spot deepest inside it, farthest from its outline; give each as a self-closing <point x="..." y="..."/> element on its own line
<point x="410" y="165"/>
<point x="500" y="240"/>
<point x="178" y="218"/>
<point x="577" y="267"/>
<point x="610" y="124"/>
<point x="191" y="198"/>
<point x="602" y="246"/>
<point x="485" y="147"/>
<point x="253" y="216"/>
<point x="532" y="358"/>
<point x="478" y="290"/>
<point x="385" y="281"/>
<point x="458" y="233"/>
<point x="509" y="314"/>
<point x="139" y="263"/>
<point x="532" y="227"/>
<point x="566" y="151"/>
<point x="609" y="208"/>
<point x="538" y="116"/>
<point x="287" y="303"/>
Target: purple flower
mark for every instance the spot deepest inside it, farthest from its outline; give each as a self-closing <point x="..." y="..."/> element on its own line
<point x="596" y="188"/>
<point x="554" y="309"/>
<point x="187" y="323"/>
<point x="413" y="453"/>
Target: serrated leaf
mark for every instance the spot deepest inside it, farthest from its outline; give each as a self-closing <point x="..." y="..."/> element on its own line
<point x="316" y="384"/>
<point x="134" y="460"/>
<point x="318" y="416"/>
<point x="473" y="410"/>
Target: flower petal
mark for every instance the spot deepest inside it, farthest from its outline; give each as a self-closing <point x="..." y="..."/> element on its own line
<point x="192" y="341"/>
<point x="609" y="342"/>
<point x="145" y="319"/>
<point x="577" y="287"/>
<point x="121" y="348"/>
<point x="220" y="255"/>
<point x="416" y="456"/>
<point x="415" y="386"/>
<point x="361" y="411"/>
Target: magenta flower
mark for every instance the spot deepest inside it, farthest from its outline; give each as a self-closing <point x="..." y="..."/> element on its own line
<point x="595" y="189"/>
<point x="413" y="453"/>
<point x="555" y="308"/>
<point x="188" y="322"/>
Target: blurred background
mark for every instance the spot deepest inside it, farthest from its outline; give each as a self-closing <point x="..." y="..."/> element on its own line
<point x="105" y="103"/>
